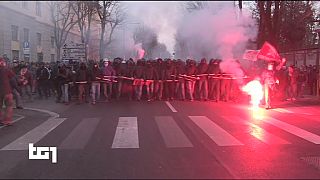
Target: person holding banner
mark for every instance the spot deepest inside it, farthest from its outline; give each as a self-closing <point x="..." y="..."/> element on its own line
<point x="269" y="81"/>
<point x="82" y="81"/>
<point x="108" y="73"/>
<point x="94" y="78"/>
<point x="150" y="74"/>
<point x="138" y="79"/>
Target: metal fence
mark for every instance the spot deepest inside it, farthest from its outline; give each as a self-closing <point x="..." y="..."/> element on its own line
<point x="302" y="57"/>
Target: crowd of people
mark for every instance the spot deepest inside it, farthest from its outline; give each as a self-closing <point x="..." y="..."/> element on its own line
<point x="159" y="79"/>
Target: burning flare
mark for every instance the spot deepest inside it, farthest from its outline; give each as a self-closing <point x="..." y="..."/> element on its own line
<point x="255" y="90"/>
<point x="140" y="51"/>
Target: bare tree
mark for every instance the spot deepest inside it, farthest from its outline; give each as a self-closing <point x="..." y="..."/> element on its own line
<point x="63" y="19"/>
<point x="195" y="5"/>
<point x="85" y="11"/>
<point x="110" y="17"/>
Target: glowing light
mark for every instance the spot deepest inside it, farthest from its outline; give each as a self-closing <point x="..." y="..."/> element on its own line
<point x="255" y="90"/>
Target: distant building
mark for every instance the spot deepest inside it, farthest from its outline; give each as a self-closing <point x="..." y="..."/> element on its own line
<point x="26" y="31"/>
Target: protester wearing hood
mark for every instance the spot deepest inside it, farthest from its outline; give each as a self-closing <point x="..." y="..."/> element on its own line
<point x="203" y="80"/>
<point x="82" y="81"/>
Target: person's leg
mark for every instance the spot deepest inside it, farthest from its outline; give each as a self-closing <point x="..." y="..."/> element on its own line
<point x="160" y="90"/>
<point x="93" y="93"/>
<point x="205" y="90"/>
<point x="8" y="101"/>
<point x="119" y="90"/>
<point x="66" y="93"/>
<point x="81" y="91"/>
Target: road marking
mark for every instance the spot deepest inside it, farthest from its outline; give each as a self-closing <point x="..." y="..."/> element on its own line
<point x="80" y="135"/>
<point x="215" y="132"/>
<point x="34" y="135"/>
<point x="282" y="110"/>
<point x="52" y="114"/>
<point x="171" y="107"/>
<point x="294" y="130"/>
<point x="257" y="132"/>
<point x="126" y="134"/>
<point x="171" y="133"/>
<point x="16" y="120"/>
<point x="265" y="136"/>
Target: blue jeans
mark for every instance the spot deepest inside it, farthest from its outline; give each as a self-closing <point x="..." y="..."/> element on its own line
<point x="95" y="91"/>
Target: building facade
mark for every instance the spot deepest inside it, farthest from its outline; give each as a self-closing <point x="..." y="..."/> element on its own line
<point x="27" y="32"/>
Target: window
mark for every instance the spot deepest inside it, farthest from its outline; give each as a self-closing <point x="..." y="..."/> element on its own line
<point x="38" y="39"/>
<point x="25" y="4"/>
<point x="15" y="55"/>
<point x="25" y="35"/>
<point x="52" y="57"/>
<point x="52" y="41"/>
<point x="14" y="30"/>
<point x="40" y="57"/>
<point x="38" y="8"/>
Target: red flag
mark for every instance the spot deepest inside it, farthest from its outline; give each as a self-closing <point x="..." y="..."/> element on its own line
<point x="268" y="53"/>
<point x="250" y="55"/>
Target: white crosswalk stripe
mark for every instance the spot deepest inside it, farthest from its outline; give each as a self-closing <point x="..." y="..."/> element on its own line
<point x="215" y="132"/>
<point x="293" y="130"/>
<point x="35" y="135"/>
<point x="126" y="134"/>
<point x="256" y="131"/>
<point x="171" y="133"/>
<point x="80" y="136"/>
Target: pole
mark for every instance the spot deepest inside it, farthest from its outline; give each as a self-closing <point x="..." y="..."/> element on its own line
<point x="124" y="47"/>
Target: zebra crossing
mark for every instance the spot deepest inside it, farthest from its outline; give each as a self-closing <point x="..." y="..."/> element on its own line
<point x="126" y="134"/>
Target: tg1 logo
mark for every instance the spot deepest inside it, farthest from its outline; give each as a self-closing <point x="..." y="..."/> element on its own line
<point x="42" y="153"/>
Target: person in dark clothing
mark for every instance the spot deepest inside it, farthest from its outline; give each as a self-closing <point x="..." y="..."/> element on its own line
<point x="312" y="79"/>
<point x="150" y="75"/>
<point x="16" y="91"/>
<point x="203" y="80"/>
<point x="283" y="83"/>
<point x="43" y="76"/>
<point x="138" y="82"/>
<point x="214" y="82"/>
<point x="129" y="74"/>
<point x="190" y="83"/>
<point x="158" y="88"/>
<point x="6" y="96"/>
<point x="108" y="72"/>
<point x="120" y="71"/>
<point x="94" y="79"/>
<point x="180" y="88"/>
<point x="82" y="80"/>
<point x="169" y="78"/>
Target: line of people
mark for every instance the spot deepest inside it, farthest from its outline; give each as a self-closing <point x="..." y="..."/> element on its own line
<point x="153" y="79"/>
<point x="159" y="79"/>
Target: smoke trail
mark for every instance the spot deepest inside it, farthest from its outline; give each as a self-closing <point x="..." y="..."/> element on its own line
<point x="217" y="31"/>
<point x="161" y="17"/>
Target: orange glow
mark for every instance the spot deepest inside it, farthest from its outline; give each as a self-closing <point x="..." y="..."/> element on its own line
<point x="255" y="90"/>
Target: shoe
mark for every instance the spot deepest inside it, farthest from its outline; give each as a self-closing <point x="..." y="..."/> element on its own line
<point x="19" y="107"/>
<point x="293" y="99"/>
<point x="93" y="102"/>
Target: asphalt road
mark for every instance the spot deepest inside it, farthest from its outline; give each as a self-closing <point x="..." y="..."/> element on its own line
<point x="165" y="140"/>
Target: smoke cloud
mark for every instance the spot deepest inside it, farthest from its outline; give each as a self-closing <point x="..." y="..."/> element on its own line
<point x="217" y="31"/>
